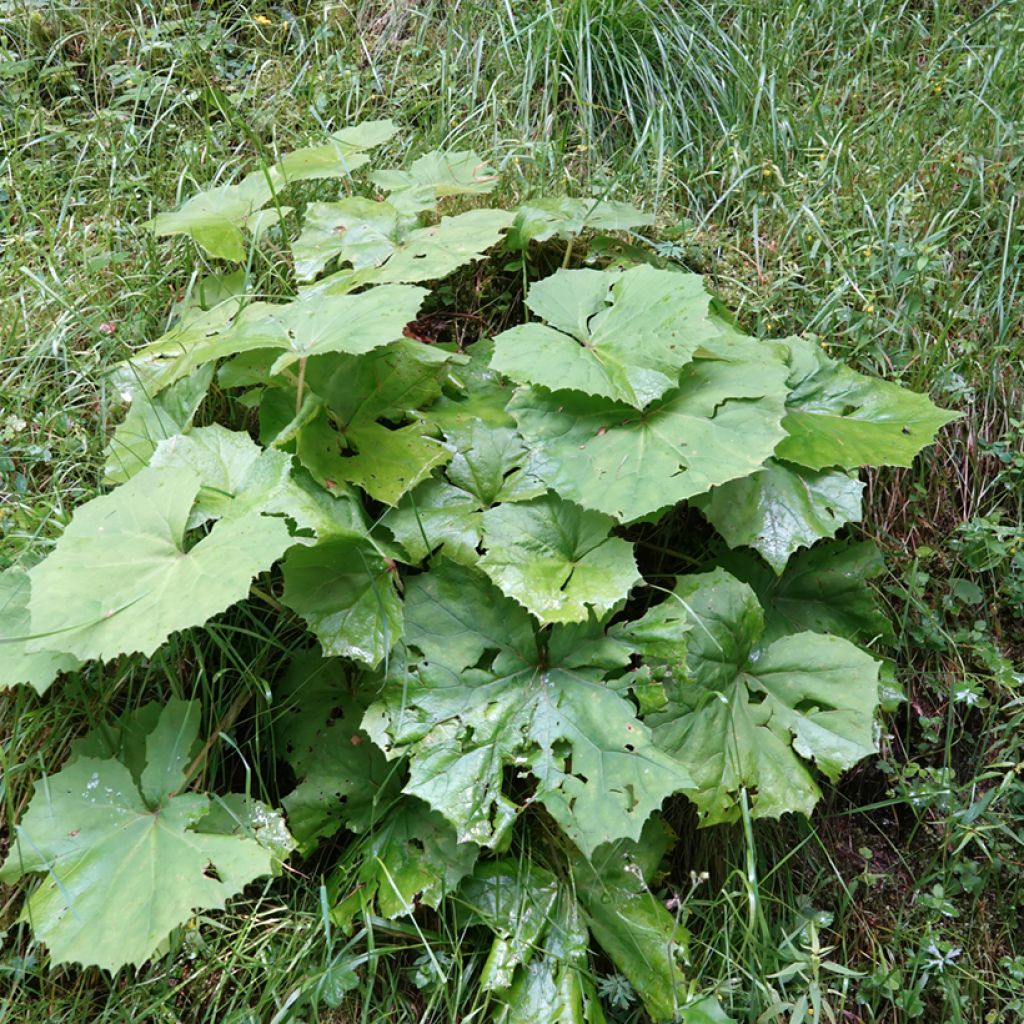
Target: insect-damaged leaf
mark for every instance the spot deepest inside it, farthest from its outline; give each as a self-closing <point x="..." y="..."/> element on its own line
<point x="126" y="860"/>
<point x="623" y="336"/>
<point x="411" y="857"/>
<point x="344" y="778"/>
<point x="480" y="693"/>
<point x="348" y="442"/>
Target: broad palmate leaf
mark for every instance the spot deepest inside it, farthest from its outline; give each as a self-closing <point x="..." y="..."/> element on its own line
<point x="838" y="417"/>
<point x="122" y="579"/>
<point x="825" y="589"/>
<point x="480" y="693"/>
<point x="564" y="217"/>
<point x="344" y="778"/>
<point x="19" y="665"/>
<point x="384" y="249"/>
<point x="782" y="507"/>
<point x="556" y="559"/>
<point x="412" y="857"/>
<point x="126" y="860"/>
<point x="750" y="717"/>
<point x="623" y="336"/>
<point x="721" y="423"/>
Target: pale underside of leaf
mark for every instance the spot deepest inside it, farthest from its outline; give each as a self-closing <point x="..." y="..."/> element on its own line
<point x="134" y="541"/>
<point x="121" y="871"/>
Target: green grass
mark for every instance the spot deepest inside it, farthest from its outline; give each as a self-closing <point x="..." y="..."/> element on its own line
<point x="851" y="169"/>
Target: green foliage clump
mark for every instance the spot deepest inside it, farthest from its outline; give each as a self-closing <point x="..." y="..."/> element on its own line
<point x="460" y="530"/>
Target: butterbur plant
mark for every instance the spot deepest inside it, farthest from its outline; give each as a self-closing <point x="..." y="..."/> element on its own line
<point x="454" y="527"/>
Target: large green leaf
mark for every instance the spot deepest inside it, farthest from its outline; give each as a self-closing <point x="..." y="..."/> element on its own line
<point x="151" y="418"/>
<point x="537" y="965"/>
<point x="825" y="589"/>
<point x="486" y="468"/>
<point x="562" y="217"/>
<point x="214" y="218"/>
<point x="435" y="175"/>
<point x="344" y="779"/>
<point x="750" y="717"/>
<point x="782" y="507"/>
<point x="721" y="423"/>
<point x="411" y="858"/>
<point x="838" y="417"/>
<point x="126" y="861"/>
<point x="556" y="559"/>
<point x="623" y="336"/>
<point x="348" y="441"/>
<point x="343" y="153"/>
<point x="479" y="695"/>
<point x="383" y="249"/>
<point x="19" y="665"/>
<point x="644" y="941"/>
<point x="307" y="326"/>
<point x="345" y="591"/>
<point x="153" y="584"/>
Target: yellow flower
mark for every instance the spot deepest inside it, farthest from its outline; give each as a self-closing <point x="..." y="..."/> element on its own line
<point x="869" y="308"/>
<point x="262" y="19"/>
<point x="766" y="173"/>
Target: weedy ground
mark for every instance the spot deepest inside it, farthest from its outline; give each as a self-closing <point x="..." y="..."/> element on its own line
<point x="853" y="170"/>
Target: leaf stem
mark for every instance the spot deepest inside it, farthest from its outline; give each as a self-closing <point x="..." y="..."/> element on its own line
<point x="301" y="386"/>
<point x="225" y="723"/>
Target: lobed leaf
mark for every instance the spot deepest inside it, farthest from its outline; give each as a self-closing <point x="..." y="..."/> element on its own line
<point x="623" y="336"/>
<point x="782" y="507"/>
<point x="838" y="417"/>
<point x="750" y="717"/>
<point x="126" y="861"/>
<point x="556" y="559"/>
<point x="153" y="583"/>
<point x="478" y="695"/>
<point x="721" y="423"/>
